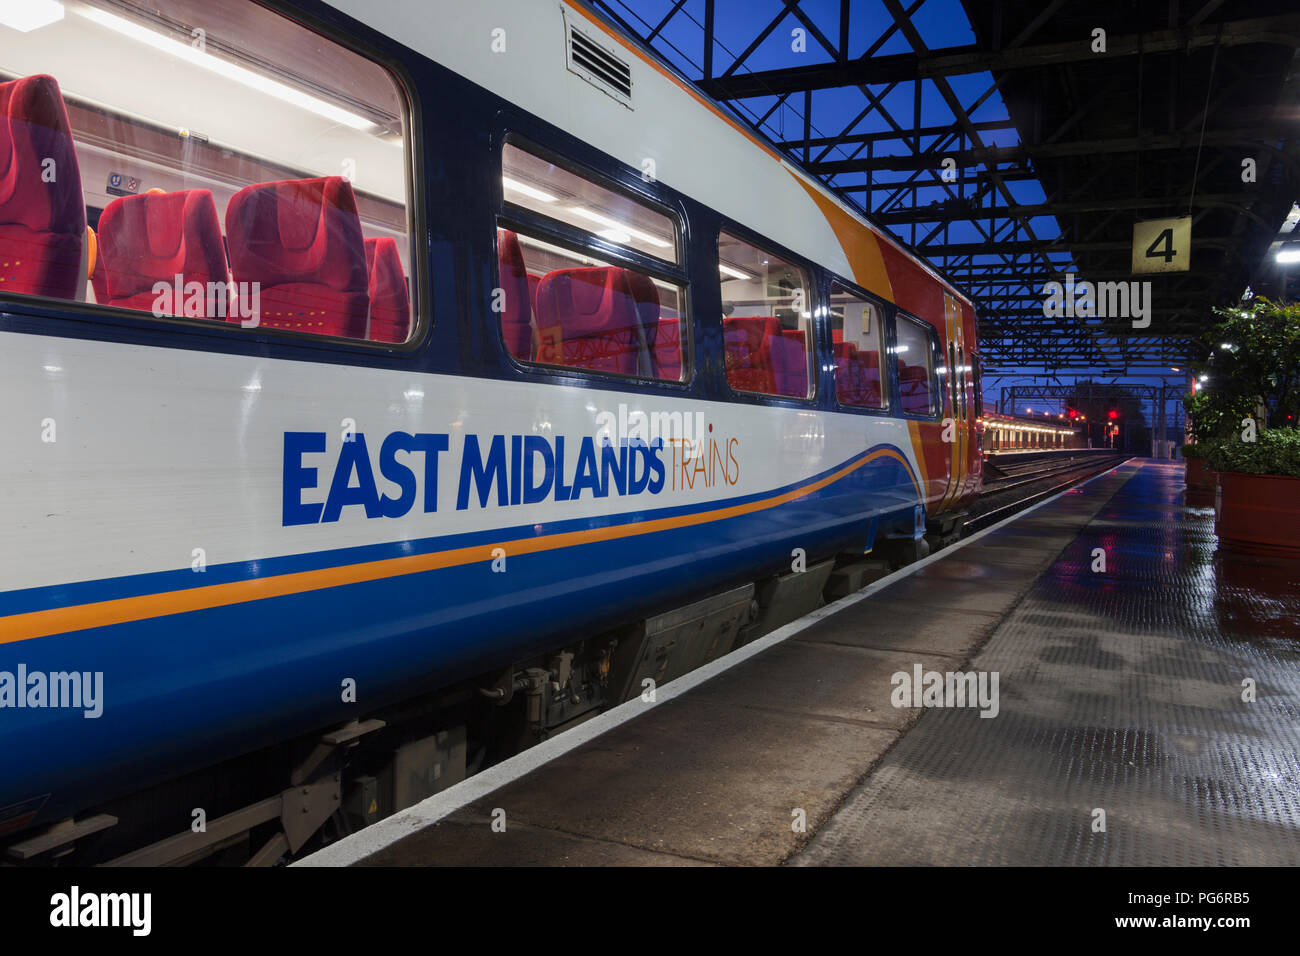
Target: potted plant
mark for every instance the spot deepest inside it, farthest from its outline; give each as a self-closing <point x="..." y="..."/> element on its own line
<point x="1244" y="419"/>
<point x="1202" y="483"/>
<point x="1260" y="480"/>
<point x="1212" y="413"/>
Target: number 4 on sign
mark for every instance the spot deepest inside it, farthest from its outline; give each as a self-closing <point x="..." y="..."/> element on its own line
<point x="1162" y="245"/>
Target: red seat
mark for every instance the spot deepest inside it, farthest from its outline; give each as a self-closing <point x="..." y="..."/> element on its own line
<point x="155" y="238"/>
<point x="790" y="363"/>
<point x="848" y="386"/>
<point x="748" y="352"/>
<point x="596" y="314"/>
<point x="668" y="349"/>
<point x="914" y="388"/>
<point x="533" y="282"/>
<point x="645" y="296"/>
<point x="301" y="240"/>
<point x="42" y="208"/>
<point x="390" y="302"/>
<point x="869" y="361"/>
<point x="517" y="311"/>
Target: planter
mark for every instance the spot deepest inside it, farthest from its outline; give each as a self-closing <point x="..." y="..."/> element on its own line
<point x="1259" y="514"/>
<point x="1202" y="483"/>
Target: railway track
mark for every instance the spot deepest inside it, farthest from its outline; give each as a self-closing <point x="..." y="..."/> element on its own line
<point x="1017" y="485"/>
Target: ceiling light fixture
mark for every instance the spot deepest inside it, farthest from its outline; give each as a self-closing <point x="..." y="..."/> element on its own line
<point x="532" y="192"/>
<point x="224" y="68"/>
<point x="608" y="223"/>
<point x="28" y="15"/>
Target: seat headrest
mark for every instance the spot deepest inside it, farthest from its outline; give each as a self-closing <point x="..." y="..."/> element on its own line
<point x="35" y="133"/>
<point x="510" y="252"/>
<point x="750" y="331"/>
<point x="156" y="236"/>
<point x="589" y="301"/>
<point x="298" y="230"/>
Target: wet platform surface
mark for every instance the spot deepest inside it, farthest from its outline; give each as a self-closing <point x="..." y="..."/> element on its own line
<point x="1120" y="690"/>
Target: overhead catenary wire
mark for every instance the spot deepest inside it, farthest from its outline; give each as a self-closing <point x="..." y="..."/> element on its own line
<point x="1205" y="115"/>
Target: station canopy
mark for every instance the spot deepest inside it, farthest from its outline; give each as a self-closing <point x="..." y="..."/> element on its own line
<point x="1014" y="143"/>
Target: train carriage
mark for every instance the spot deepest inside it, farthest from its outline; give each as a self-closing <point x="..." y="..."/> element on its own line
<point x="389" y="384"/>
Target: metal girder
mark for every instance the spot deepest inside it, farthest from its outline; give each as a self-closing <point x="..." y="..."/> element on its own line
<point x="935" y="213"/>
<point x="954" y="61"/>
<point x="852" y="139"/>
<point x="1260" y="136"/>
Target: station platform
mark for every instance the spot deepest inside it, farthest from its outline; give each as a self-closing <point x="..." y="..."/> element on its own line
<point x="1119" y="690"/>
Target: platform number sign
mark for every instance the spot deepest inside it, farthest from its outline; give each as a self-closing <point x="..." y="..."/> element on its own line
<point x="1162" y="245"/>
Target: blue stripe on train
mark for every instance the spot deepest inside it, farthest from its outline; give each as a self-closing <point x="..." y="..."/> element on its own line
<point x="107" y="589"/>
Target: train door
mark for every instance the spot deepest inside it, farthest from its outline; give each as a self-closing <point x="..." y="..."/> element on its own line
<point x="955" y="426"/>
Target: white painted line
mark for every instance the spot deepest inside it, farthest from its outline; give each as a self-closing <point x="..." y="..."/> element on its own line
<point x="404" y="823"/>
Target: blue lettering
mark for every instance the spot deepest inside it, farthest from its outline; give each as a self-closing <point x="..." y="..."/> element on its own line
<point x="537" y="445"/>
<point x="656" y="466"/>
<point x="516" y="471"/>
<point x="431" y="445"/>
<point x="609" y="462"/>
<point x="562" y="491"/>
<point x="639" y="454"/>
<point x="354" y="457"/>
<point x="398" y="474"/>
<point x="483" y="474"/>
<point x="297" y="478"/>
<point x="588" y="474"/>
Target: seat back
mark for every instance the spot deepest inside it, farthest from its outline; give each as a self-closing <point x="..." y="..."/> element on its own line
<point x="42" y="208"/>
<point x="848" y="385"/>
<point x="914" y="388"/>
<point x="869" y="362"/>
<point x="390" y="301"/>
<point x="597" y="316"/>
<point x="748" y="352"/>
<point x="301" y="240"/>
<point x="158" y="237"/>
<point x="645" y="298"/>
<point x="516" y="316"/>
<point x="857" y="375"/>
<point x="668" y="348"/>
<point x="790" y="363"/>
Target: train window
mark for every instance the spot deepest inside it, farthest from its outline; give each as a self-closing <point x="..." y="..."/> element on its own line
<point x="572" y="309"/>
<point x="557" y="193"/>
<point x="855" y="338"/>
<point x="205" y="160"/>
<point x="579" y="309"/>
<point x="915" y="351"/>
<point x="766" y="320"/>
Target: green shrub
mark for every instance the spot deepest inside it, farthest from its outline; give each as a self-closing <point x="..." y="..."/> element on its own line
<point x="1193" y="450"/>
<point x="1275" y="451"/>
<point x="1252" y="369"/>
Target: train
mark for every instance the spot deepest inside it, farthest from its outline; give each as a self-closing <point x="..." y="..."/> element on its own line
<point x="392" y="385"/>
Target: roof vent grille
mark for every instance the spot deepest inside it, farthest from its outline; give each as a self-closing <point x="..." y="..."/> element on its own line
<point x="599" y="64"/>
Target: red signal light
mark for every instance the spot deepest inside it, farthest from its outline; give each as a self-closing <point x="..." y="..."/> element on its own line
<point x="1112" y="414"/>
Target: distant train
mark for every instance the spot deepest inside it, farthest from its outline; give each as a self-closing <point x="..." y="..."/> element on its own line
<point x="389" y="384"/>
